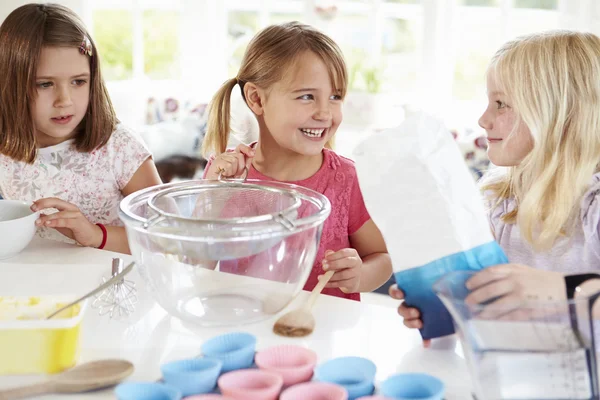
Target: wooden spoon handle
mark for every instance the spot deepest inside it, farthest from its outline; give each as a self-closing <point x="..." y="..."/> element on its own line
<point x="318" y="288"/>
<point x="27" y="391"/>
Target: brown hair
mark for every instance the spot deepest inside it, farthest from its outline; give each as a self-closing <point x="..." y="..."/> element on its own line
<point x="22" y="35"/>
<point x="268" y="56"/>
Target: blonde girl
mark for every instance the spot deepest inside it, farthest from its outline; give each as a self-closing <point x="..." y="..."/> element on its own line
<point x="543" y="129"/>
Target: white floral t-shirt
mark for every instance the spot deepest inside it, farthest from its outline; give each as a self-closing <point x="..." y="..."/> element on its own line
<point x="91" y="181"/>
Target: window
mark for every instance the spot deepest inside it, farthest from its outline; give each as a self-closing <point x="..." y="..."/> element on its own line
<point x="137" y="39"/>
<point x="475" y="51"/>
<point x="401" y="55"/>
<point x="161" y="44"/>
<point x="242" y="26"/>
<point x="479" y="3"/>
<point x="381" y="40"/>
<point x="537" y="4"/>
<point x="113" y="34"/>
<point x="433" y="53"/>
<point x="494" y="24"/>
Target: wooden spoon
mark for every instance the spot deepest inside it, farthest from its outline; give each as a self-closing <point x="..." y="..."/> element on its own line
<point x="300" y="322"/>
<point x="89" y="376"/>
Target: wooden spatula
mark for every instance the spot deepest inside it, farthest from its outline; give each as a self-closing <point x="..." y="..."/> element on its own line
<point x="301" y="322"/>
<point x="89" y="376"/>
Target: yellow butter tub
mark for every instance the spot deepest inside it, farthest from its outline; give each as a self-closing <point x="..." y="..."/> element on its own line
<point x="31" y="344"/>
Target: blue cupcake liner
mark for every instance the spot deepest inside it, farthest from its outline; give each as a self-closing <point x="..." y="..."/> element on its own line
<point x="192" y="376"/>
<point x="146" y="391"/>
<point x="413" y="387"/>
<point x="236" y="350"/>
<point x="355" y="374"/>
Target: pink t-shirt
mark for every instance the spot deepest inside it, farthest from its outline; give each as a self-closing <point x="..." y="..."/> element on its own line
<point x="337" y="180"/>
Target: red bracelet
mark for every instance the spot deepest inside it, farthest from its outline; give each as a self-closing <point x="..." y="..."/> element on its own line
<point x="104" y="236"/>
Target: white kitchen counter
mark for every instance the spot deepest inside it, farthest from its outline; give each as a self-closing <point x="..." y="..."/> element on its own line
<point x="151" y="337"/>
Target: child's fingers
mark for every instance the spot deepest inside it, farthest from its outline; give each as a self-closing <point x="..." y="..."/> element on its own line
<point x="408" y="312"/>
<point x="226" y="164"/>
<point x="66" y="222"/>
<point x="245" y="149"/>
<point x="343" y="275"/>
<point x="62" y="223"/>
<point x="345" y="283"/>
<point x="411" y="316"/>
<point x="247" y="153"/>
<point x="488" y="275"/>
<point x="53" y="202"/>
<point x="340" y="254"/>
<point x="490" y="291"/>
<point x="413" y="323"/>
<point x="396" y="293"/>
<point x="236" y="164"/>
<point x="50" y="220"/>
<point x="241" y="164"/>
<point x="342" y="263"/>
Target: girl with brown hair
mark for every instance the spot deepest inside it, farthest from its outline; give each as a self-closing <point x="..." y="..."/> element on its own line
<point x="294" y="79"/>
<point x="62" y="146"/>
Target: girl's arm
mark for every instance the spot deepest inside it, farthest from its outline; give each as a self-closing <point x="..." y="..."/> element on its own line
<point x="71" y="222"/>
<point x="362" y="268"/>
<point x="145" y="176"/>
<point x="376" y="263"/>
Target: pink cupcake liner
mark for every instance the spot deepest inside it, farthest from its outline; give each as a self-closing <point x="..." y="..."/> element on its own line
<point x="251" y="384"/>
<point x="315" y="391"/>
<point x="295" y="364"/>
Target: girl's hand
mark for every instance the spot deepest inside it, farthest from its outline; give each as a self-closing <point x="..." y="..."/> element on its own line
<point x="412" y="316"/>
<point x="505" y="287"/>
<point x="69" y="221"/>
<point x="231" y="164"/>
<point x="347" y="266"/>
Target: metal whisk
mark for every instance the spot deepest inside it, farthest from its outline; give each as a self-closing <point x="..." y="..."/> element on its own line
<point x="119" y="299"/>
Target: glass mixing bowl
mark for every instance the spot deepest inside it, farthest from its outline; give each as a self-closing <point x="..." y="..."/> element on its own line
<point x="218" y="253"/>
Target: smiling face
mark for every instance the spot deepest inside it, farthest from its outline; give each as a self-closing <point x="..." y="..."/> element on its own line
<point x="303" y="112"/>
<point x="63" y="92"/>
<point x="507" y="146"/>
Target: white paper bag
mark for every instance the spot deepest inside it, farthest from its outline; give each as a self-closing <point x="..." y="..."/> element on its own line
<point x="419" y="192"/>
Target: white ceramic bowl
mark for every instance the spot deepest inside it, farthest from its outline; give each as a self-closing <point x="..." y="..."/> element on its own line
<point x="17" y="227"/>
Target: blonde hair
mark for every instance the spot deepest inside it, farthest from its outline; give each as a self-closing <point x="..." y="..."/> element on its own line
<point x="552" y="80"/>
<point x="268" y="57"/>
<point x="22" y="35"/>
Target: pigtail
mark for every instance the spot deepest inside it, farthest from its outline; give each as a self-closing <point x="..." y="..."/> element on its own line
<point x="217" y="133"/>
